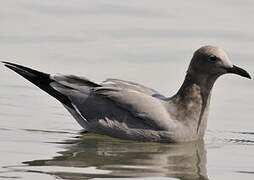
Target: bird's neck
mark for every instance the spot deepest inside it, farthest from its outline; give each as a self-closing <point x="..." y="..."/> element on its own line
<point x="192" y="103"/>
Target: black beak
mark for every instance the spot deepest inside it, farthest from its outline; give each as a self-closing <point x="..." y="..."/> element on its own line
<point x="239" y="71"/>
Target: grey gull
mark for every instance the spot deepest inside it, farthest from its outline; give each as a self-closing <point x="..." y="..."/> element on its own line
<point x="132" y="111"/>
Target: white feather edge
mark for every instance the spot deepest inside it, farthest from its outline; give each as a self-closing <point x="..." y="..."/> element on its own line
<point x="77" y="110"/>
<point x="54" y="86"/>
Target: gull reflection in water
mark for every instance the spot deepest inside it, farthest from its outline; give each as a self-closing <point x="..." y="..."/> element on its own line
<point x="96" y="156"/>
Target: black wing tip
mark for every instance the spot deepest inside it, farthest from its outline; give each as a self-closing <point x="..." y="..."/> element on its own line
<point x="11" y="65"/>
<point x="23" y="68"/>
<point x="5" y="63"/>
<point x="40" y="79"/>
<point x="8" y="63"/>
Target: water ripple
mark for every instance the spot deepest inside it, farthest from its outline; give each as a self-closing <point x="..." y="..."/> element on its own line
<point x="221" y="138"/>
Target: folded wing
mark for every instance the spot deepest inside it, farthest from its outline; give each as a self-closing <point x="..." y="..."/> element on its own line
<point x="122" y="99"/>
<point x="148" y="109"/>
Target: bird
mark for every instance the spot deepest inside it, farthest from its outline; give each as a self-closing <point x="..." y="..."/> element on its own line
<point x="131" y="111"/>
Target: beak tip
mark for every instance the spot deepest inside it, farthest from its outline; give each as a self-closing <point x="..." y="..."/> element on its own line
<point x="239" y="71"/>
<point x="247" y="75"/>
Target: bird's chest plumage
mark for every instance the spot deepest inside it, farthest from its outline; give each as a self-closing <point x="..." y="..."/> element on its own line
<point x="188" y="104"/>
<point x="191" y="106"/>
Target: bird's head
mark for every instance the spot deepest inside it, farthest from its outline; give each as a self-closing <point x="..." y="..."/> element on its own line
<point x="210" y="61"/>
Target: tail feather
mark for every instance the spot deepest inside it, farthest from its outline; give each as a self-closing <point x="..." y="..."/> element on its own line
<point x="41" y="80"/>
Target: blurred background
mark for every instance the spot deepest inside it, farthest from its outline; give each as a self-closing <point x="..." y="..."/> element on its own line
<point x="149" y="42"/>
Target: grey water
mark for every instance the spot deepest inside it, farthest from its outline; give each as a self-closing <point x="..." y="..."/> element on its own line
<point x="150" y="42"/>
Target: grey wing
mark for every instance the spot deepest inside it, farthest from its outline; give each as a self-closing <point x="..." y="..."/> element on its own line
<point x="77" y="90"/>
<point x="111" y="106"/>
<point x="146" y="108"/>
<point x="81" y="83"/>
<point x="125" y="100"/>
<point x="73" y="82"/>
<point x="128" y="85"/>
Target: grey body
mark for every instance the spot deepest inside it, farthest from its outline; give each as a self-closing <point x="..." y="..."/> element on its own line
<point x="131" y="111"/>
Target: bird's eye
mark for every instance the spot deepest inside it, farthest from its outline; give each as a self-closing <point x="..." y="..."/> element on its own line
<point x="212" y="58"/>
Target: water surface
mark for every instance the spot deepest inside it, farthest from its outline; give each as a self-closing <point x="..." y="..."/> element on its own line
<point x="150" y="42"/>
